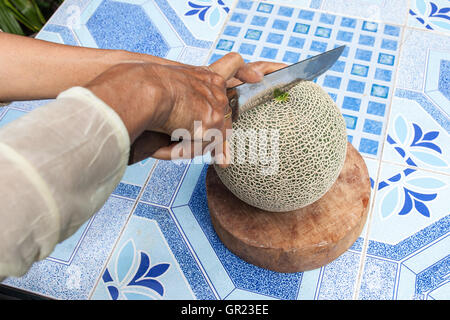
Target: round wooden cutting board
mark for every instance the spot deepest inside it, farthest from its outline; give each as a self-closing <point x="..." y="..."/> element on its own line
<point x="298" y="240"/>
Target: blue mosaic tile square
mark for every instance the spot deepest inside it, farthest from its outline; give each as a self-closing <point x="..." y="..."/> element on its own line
<point x="379" y="91"/>
<point x="247" y="48"/>
<point x="356" y="86"/>
<point x="360" y="70"/>
<point x="376" y="108"/>
<point x="348" y="22"/>
<point x="332" y="82"/>
<point x="296" y="42"/>
<point x="345" y="52"/>
<point x="323" y="32"/>
<point x="350" y="121"/>
<point x="333" y="96"/>
<point x="291" y="57"/>
<point x="389" y="44"/>
<point x="285" y="11"/>
<point x="253" y="34"/>
<point x="306" y="15"/>
<point x="362" y="54"/>
<point x="231" y="31"/>
<point x="238" y="17"/>
<point x="387" y="59"/>
<point x="370" y="26"/>
<point x="344" y="36"/>
<point x="215" y="57"/>
<point x="372" y="126"/>
<point x="383" y="74"/>
<point x="339" y="66"/>
<point x="349" y="138"/>
<point x="280" y="24"/>
<point x="327" y="18"/>
<point x="366" y="40"/>
<point x="351" y="103"/>
<point x="301" y="28"/>
<point x="226" y="45"/>
<point x="368" y="146"/>
<point x="269" y="53"/>
<point x="259" y="21"/>
<point x="274" y="38"/>
<point x="391" y="30"/>
<point x="318" y="46"/>
<point x="242" y="4"/>
<point x="265" y="7"/>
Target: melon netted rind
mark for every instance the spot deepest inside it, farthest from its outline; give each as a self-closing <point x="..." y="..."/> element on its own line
<point x="311" y="151"/>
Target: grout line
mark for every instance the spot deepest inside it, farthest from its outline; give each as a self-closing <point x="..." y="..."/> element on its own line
<point x="194" y="254"/>
<point x="371" y="212"/>
<point x="405" y="23"/>
<point x="366" y="238"/>
<point x="185" y="237"/>
<point x="180" y="183"/>
<point x="436" y="32"/>
<point x="415" y="168"/>
<point x="227" y="19"/>
<point x="119" y="236"/>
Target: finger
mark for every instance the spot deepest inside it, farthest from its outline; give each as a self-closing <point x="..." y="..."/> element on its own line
<point x="266" y="67"/>
<point x="180" y="150"/>
<point x="220" y="99"/>
<point x="224" y="159"/>
<point x="249" y="73"/>
<point x="228" y="65"/>
<point x="254" y="72"/>
<point x="186" y="149"/>
<point x="146" y="145"/>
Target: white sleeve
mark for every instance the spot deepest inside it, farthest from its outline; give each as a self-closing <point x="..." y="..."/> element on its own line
<point x="58" y="166"/>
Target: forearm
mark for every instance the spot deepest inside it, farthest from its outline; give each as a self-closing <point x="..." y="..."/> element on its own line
<point x="36" y="69"/>
<point x="59" y="164"/>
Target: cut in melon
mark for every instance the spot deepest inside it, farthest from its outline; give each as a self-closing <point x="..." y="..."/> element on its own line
<point x="299" y="159"/>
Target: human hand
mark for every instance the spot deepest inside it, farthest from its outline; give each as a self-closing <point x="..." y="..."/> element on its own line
<point x="161" y="98"/>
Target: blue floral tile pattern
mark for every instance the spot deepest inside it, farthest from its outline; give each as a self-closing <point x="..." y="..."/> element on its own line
<point x="430" y="14"/>
<point x="410" y="213"/>
<point x="362" y="78"/>
<point x="143" y="267"/>
<point x="153" y="239"/>
<point x="414" y="138"/>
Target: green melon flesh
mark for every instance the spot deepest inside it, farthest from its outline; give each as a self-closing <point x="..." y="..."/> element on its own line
<point x="311" y="150"/>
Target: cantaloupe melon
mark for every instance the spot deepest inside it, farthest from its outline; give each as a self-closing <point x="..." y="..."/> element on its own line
<point x="312" y="142"/>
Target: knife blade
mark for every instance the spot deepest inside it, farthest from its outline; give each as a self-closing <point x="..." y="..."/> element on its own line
<point x="244" y="96"/>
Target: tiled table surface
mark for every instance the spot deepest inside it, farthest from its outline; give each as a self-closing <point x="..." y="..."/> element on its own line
<point x="153" y="239"/>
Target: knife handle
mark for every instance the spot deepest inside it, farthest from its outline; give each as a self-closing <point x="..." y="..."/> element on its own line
<point x="149" y="141"/>
<point x="147" y="144"/>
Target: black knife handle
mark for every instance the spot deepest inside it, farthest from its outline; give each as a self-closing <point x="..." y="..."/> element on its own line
<point x="147" y="144"/>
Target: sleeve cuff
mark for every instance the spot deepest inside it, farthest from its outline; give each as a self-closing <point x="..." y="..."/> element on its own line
<point x="89" y="98"/>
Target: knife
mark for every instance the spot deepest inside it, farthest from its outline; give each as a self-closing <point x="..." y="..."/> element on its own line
<point x="247" y="95"/>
